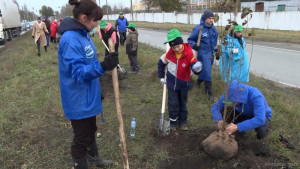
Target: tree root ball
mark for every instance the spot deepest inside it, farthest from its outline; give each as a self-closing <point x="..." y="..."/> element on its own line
<point x="220" y="145"/>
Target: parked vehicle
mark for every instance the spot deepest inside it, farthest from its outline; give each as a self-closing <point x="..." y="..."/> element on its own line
<point x="10" y="23"/>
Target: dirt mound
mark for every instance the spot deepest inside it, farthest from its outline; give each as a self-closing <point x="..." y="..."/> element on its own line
<point x="186" y="153"/>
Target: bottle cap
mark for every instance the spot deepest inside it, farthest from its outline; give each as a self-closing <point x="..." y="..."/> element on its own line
<point x="133" y="119"/>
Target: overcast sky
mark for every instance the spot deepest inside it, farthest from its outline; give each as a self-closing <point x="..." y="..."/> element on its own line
<point x="36" y="5"/>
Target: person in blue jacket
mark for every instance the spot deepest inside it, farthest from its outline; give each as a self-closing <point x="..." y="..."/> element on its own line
<point x="121" y="26"/>
<point x="208" y="41"/>
<point x="248" y="109"/>
<point x="79" y="71"/>
<point x="239" y="64"/>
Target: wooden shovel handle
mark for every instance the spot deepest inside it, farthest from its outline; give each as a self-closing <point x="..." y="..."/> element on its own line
<point x="118" y="107"/>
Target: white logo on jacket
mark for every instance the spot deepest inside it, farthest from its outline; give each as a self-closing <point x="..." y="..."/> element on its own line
<point x="89" y="52"/>
<point x="183" y="65"/>
<point x="204" y="34"/>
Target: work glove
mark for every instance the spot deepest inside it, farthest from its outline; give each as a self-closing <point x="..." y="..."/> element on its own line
<point x="110" y="61"/>
<point x="162" y="81"/>
<point x="197" y="67"/>
<point x="196" y="47"/>
<point x="33" y="37"/>
<point x="134" y="52"/>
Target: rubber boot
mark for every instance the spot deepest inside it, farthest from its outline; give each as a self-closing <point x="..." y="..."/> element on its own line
<point x="45" y="48"/>
<point x="80" y="163"/>
<point x="208" y="89"/>
<point x="93" y="157"/>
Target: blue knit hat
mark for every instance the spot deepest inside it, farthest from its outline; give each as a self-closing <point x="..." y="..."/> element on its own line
<point x="208" y="13"/>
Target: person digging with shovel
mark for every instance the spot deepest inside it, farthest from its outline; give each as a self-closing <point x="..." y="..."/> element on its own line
<point x="250" y="110"/>
<point x="79" y="70"/>
<point x="180" y="61"/>
<point x="106" y="31"/>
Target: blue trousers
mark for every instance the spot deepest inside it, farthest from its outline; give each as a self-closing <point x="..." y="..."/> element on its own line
<point x="47" y="39"/>
<point x="178" y="110"/>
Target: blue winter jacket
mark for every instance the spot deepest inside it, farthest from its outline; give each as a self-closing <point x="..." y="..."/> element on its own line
<point x="208" y="41"/>
<point x="252" y="104"/>
<point x="239" y="64"/>
<point x="79" y="70"/>
<point x="121" y="24"/>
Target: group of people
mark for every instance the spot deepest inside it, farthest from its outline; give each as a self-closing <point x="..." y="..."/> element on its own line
<point x="107" y="31"/>
<point x="44" y="32"/>
<point x="79" y="72"/>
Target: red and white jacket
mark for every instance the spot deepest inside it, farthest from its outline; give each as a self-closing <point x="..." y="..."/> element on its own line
<point x="179" y="70"/>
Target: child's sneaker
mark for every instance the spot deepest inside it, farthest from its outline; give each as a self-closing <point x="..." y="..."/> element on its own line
<point x="183" y="127"/>
<point x="138" y="72"/>
<point x="172" y="128"/>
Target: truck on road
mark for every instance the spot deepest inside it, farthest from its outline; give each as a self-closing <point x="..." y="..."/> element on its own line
<point x="10" y="23"/>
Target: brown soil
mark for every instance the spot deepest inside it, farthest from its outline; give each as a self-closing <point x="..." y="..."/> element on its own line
<point x="187" y="153"/>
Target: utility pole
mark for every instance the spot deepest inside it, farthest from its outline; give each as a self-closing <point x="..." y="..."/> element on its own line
<point x="107" y="10"/>
<point x="189" y="10"/>
<point x="131" y="10"/>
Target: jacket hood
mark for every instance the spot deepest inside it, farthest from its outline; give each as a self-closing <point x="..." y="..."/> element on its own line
<point x="238" y="92"/>
<point x="70" y="24"/>
<point x="202" y="22"/>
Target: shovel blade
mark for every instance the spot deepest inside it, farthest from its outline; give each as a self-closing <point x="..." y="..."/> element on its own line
<point x="163" y="127"/>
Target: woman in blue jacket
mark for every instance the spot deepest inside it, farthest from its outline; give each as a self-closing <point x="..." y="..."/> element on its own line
<point x="208" y="41"/>
<point x="250" y="110"/>
<point x="239" y="64"/>
<point x="79" y="70"/>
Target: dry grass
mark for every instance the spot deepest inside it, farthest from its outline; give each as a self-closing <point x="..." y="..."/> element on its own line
<point x="35" y="134"/>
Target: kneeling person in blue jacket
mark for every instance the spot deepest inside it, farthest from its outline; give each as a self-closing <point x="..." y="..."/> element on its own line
<point x="250" y="110"/>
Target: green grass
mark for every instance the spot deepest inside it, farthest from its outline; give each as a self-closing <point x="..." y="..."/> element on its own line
<point x="35" y="134"/>
<point x="260" y="34"/>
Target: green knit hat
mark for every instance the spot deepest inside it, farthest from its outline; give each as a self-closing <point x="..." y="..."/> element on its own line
<point x="131" y="25"/>
<point x="238" y="28"/>
<point x="120" y="13"/>
<point x="173" y="34"/>
<point x="103" y="24"/>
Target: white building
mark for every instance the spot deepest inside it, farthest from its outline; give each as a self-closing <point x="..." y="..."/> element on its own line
<point x="272" y="5"/>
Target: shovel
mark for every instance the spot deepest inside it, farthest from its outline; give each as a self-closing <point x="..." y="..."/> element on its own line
<point x="121" y="70"/>
<point x="162" y="125"/>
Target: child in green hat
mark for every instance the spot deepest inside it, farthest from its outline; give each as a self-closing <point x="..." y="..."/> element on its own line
<point x="132" y="48"/>
<point x="180" y="60"/>
<point x="106" y="31"/>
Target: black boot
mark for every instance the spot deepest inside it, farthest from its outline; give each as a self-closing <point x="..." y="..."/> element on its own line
<point x="94" y="159"/>
<point x="208" y="89"/>
<point x="80" y="163"/>
<point x="199" y="82"/>
<point x="45" y="48"/>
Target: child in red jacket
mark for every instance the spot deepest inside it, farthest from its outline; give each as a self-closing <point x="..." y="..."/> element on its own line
<point x="181" y="61"/>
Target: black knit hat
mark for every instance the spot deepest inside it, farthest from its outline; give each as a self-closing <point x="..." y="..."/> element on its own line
<point x="176" y="41"/>
<point x="208" y="13"/>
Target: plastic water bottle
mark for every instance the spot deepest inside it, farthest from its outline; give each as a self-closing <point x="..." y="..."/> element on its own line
<point x="132" y="127"/>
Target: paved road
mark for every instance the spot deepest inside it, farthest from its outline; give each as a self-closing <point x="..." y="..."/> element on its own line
<point x="279" y="62"/>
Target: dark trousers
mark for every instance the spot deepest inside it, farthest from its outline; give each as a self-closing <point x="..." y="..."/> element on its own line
<point x="38" y="45"/>
<point x="53" y="39"/>
<point x="261" y="132"/>
<point x="133" y="62"/>
<point x="122" y="37"/>
<point x="177" y="106"/>
<point x="84" y="135"/>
